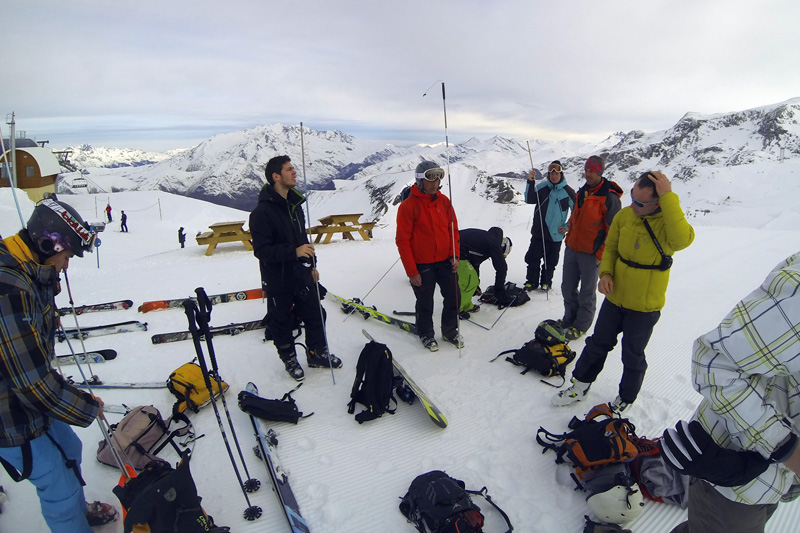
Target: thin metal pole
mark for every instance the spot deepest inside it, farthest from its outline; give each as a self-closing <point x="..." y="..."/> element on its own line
<point x="313" y="257"/>
<point x="541" y="220"/>
<point x="77" y="325"/>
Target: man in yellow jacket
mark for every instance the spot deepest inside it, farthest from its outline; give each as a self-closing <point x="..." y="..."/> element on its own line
<point x="634" y="274"/>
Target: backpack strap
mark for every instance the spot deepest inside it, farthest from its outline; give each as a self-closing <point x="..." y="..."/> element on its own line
<point x="186" y="429"/>
<point x="27" y="464"/>
<point x="507" y="358"/>
<point x="484" y="494"/>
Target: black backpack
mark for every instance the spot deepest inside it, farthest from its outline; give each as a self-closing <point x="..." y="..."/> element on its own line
<point x="518" y="294"/>
<point x="438" y="503"/>
<point x="373" y="386"/>
<point x="165" y="500"/>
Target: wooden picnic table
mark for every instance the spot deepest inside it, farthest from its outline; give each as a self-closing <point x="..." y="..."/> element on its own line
<point x="345" y="224"/>
<point x="224" y="232"/>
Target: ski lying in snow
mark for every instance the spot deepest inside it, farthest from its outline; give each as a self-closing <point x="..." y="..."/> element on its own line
<point x="108" y="329"/>
<point x="434" y="413"/>
<point x="97" y="384"/>
<point x="267" y="444"/>
<point x="355" y="305"/>
<point x="230" y="329"/>
<point x="108" y="306"/>
<point x="176" y="303"/>
<point x="97" y="356"/>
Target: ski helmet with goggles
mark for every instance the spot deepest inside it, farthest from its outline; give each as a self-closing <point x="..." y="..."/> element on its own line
<point x="56" y="226"/>
<point x="618" y="505"/>
<point x="506" y="246"/>
<point x="427" y="170"/>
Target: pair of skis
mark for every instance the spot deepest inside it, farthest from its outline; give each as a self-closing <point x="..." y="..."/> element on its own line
<point x="177" y="303"/>
<point x="92" y="308"/>
<point x="96" y="331"/>
<point x="231" y="329"/>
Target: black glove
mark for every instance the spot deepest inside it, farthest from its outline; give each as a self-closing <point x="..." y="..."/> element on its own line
<point x="691" y="451"/>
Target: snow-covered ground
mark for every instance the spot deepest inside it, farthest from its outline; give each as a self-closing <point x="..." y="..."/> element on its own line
<point x="348" y="477"/>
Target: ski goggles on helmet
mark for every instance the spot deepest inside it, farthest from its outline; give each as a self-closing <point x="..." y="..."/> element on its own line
<point x="432" y="174"/>
<point x="554" y="168"/>
<point x="641" y="204"/>
<point x="85" y="235"/>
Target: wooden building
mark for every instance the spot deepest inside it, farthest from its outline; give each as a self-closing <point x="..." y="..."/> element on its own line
<point x="37" y="168"/>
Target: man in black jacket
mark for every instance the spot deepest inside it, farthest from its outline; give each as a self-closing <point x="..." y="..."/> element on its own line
<point x="478" y="245"/>
<point x="288" y="268"/>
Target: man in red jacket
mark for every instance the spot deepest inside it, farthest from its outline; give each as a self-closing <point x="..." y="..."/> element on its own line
<point x="427" y="239"/>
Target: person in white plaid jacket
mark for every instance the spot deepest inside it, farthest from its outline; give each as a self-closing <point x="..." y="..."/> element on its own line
<point x="748" y="371"/>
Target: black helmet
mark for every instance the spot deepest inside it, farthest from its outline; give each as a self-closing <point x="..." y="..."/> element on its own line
<point x="427" y="169"/>
<point x="55" y="226"/>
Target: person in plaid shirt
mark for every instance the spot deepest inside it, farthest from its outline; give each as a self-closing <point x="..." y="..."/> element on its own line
<point x="741" y="448"/>
<point x="37" y="406"/>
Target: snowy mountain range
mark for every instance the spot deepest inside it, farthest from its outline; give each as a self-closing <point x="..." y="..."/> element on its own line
<point x="227" y="169"/>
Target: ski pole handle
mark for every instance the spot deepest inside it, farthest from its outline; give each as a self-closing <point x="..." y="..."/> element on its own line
<point x="191" y="314"/>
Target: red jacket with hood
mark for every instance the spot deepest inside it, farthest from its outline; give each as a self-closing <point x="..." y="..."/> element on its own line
<point x="423" y="230"/>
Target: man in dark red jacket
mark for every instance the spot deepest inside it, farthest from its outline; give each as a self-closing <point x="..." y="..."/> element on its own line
<point x="427" y="239"/>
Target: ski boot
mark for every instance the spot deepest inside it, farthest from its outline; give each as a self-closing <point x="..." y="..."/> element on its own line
<point x="98" y="513"/>
<point x="289" y="358"/>
<point x="320" y="358"/>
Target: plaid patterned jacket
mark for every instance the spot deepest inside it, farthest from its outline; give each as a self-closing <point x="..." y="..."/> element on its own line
<point x="31" y="392"/>
<point x="748" y="371"/>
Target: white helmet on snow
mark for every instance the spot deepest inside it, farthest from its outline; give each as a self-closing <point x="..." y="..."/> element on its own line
<point x="617" y="505"/>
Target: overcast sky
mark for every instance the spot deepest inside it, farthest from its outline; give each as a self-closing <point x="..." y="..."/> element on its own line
<point x="161" y="75"/>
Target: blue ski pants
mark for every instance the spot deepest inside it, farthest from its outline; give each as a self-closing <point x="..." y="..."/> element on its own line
<point x="60" y="494"/>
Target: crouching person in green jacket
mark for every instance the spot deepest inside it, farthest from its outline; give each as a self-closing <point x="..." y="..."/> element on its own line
<point x="634" y="274"/>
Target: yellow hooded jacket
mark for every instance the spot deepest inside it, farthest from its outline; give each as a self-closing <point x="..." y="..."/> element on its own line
<point x="636" y="288"/>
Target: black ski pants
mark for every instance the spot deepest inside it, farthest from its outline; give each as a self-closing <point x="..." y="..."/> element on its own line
<point x="433" y="274"/>
<point x="538" y="250"/>
<point x="280" y="318"/>
<point x="636" y="328"/>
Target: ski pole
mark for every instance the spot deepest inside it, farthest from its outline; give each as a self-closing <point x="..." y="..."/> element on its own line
<point x="314" y="259"/>
<point x="253" y="511"/>
<point x="77" y="326"/>
<point x="101" y="418"/>
<point x="541" y="221"/>
<point x="452" y="210"/>
<point x="203" y="319"/>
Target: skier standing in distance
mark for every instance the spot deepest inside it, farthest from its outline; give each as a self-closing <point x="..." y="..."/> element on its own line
<point x="123" y="222"/>
<point x="181" y="237"/>
<point x="634" y="275"/>
<point x="554" y="200"/>
<point x="288" y="268"/>
<point x="427" y="229"/>
<point x="37" y="405"/>
<point x="597" y="202"/>
<point x="108" y="212"/>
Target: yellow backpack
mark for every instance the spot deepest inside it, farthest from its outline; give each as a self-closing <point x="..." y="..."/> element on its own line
<point x="189" y="386"/>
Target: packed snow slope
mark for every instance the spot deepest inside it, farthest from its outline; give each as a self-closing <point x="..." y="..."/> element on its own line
<point x="348" y="477"/>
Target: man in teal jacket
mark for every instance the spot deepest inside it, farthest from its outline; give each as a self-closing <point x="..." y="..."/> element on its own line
<point x="634" y="274"/>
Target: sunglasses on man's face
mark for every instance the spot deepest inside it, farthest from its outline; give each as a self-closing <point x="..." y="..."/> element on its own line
<point x="641" y="204"/>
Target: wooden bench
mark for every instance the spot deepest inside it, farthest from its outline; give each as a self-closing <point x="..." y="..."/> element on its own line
<point x="344" y="224"/>
<point x="224" y="232"/>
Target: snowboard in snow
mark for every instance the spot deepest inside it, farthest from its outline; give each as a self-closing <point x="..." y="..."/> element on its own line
<point x="96" y="356"/>
<point x="230" y="329"/>
<point x="355" y="305"/>
<point x="436" y="416"/>
<point x="92" y="308"/>
<point x="267" y="445"/>
<point x="107" y="329"/>
<point x="177" y="303"/>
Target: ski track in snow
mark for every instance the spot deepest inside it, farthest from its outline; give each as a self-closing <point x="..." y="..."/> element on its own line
<point x="349" y="477"/>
